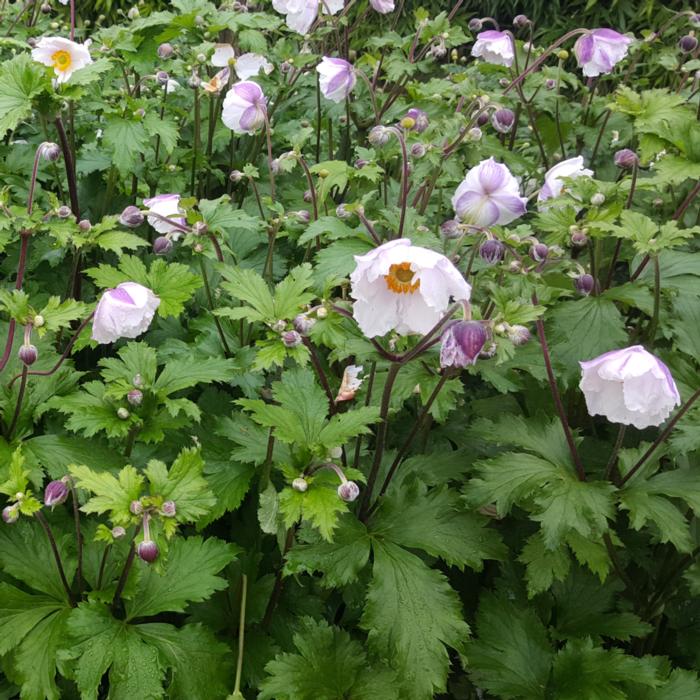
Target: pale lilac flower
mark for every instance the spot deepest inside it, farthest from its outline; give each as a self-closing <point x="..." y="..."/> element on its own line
<point x="301" y="14"/>
<point x="337" y="78"/>
<point x="350" y="384"/>
<point x="494" y="47"/>
<point x="248" y="65"/>
<point x="488" y="195"/>
<point x="63" y="55"/>
<point x="461" y="343"/>
<point x="167" y="206"/>
<point x="223" y="55"/>
<point x="629" y="386"/>
<point x="124" y="312"/>
<point x="599" y="50"/>
<point x="405" y="288"/>
<point x="245" y="108"/>
<point x="553" y="183"/>
<point x="384" y="7"/>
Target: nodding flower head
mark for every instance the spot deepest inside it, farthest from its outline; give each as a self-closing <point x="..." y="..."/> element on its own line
<point x="56" y="492"/>
<point x="28" y="354"/>
<point x="348" y="491"/>
<point x="10" y="514"/>
<point x="131" y="217"/>
<point x="461" y="343"/>
<point x="147" y="551"/>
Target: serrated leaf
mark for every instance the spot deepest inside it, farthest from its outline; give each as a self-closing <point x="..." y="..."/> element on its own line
<point x="21" y="79"/>
<point x="111" y="494"/>
<point x="320" y="505"/>
<point x="544" y="565"/>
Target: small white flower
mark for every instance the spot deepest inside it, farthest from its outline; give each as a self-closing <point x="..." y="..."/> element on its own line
<point x="553" y="183"/>
<point x="350" y="384"/>
<point x="168" y="206"/>
<point x="248" y="65"/>
<point x="629" y="386"/>
<point x="599" y="50"/>
<point x="301" y="14"/>
<point x="245" y="108"/>
<point x="63" y="55"/>
<point x="494" y="47"/>
<point x="171" y="85"/>
<point x="124" y="312"/>
<point x="337" y="78"/>
<point x="402" y="287"/>
<point x="223" y="54"/>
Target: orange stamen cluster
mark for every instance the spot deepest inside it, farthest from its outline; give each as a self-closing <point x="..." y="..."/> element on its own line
<point x="400" y="279"/>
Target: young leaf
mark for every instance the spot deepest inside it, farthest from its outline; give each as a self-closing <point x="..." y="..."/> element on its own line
<point x="111" y="494"/>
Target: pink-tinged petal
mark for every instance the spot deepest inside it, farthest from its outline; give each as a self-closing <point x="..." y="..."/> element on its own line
<point x="492" y="176"/>
<point x="248" y="91"/>
<point x="120" y="294"/>
<point x="584" y="48"/>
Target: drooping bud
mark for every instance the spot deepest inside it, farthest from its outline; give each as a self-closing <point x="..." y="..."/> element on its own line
<point x="135" y="397"/>
<point x="162" y="77"/>
<point x="626" y="158"/>
<point x="10" y="514"/>
<point x="688" y="43"/>
<point x="474" y="134"/>
<point x="136" y="507"/>
<point x="200" y="228"/>
<point x="518" y="335"/>
<point x="379" y="136"/>
<point x="147" y="551"/>
<point x="420" y="119"/>
<point x="123" y="413"/>
<point x="28" y="354"/>
<point x="118" y="531"/>
<point x="584" y="284"/>
<point x="539" y="252"/>
<point x="579" y="238"/>
<point x="450" y="229"/>
<point x="520" y="21"/>
<point x="162" y="245"/>
<point x="300" y="484"/>
<point x="165" y="50"/>
<point x="461" y="343"/>
<point x="235" y="176"/>
<point x="63" y="212"/>
<point x="360" y="163"/>
<point x="550" y="83"/>
<point x="303" y="216"/>
<point x="137" y="381"/>
<point x="482" y="119"/>
<point x="492" y="251"/>
<point x="503" y="120"/>
<point x="475" y="24"/>
<point x="131" y="217"/>
<point x="51" y="152"/>
<point x="417" y="150"/>
<point x="291" y="339"/>
<point x="84" y="225"/>
<point x="168" y="509"/>
<point x="55" y="493"/>
<point x="341" y="212"/>
<point x="348" y="491"/>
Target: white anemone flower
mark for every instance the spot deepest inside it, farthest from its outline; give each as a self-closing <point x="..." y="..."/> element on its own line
<point x="629" y="386"/>
<point x="553" y="182"/>
<point x="494" y="47"/>
<point x="167" y="206"/>
<point x="124" y="312"/>
<point x="63" y="55"/>
<point x="405" y="288"/>
<point x="245" y="108"/>
<point x="223" y="55"/>
<point x="248" y="65"/>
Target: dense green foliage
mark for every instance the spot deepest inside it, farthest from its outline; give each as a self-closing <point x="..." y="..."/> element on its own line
<point x="491" y="553"/>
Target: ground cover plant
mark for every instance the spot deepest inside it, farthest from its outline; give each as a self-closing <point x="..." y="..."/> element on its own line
<point x="349" y="350"/>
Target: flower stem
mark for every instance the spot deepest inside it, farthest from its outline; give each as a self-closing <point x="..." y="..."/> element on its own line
<point x="268" y="138"/>
<point x="18" y="405"/>
<point x="210" y="299"/>
<point x="59" y="564"/>
<point x="279" y="582"/>
<point x="316" y="362"/>
<point x="125" y="571"/>
<point x="310" y="181"/>
<point x="654" y="322"/>
<point x="21" y="267"/>
<point x="405" y="187"/>
<point x="373" y="97"/>
<point x="78" y="537"/>
<point x="70" y="168"/>
<point x="103" y="563"/>
<point x="615" y="451"/>
<point x="241" y="634"/>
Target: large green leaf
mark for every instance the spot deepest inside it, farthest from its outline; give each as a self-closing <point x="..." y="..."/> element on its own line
<point x="21" y="79"/>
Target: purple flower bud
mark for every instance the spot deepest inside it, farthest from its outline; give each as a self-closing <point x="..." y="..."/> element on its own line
<point x="539" y="252"/>
<point x="461" y="343"/>
<point x="519" y="335"/>
<point x="360" y="163"/>
<point x="28" y="354"/>
<point x="579" y="238"/>
<point x="51" y="152"/>
<point x="131" y="217"/>
<point x="56" y="492"/>
<point x="135" y="397"/>
<point x="148" y="551"/>
<point x="303" y="324"/>
<point x="503" y="120"/>
<point x="420" y="119"/>
<point x="84" y="225"/>
<point x="482" y="119"/>
<point x="348" y="491"/>
<point x="45" y="8"/>
<point x="688" y="43"/>
<point x="118" y="532"/>
<point x="417" y="150"/>
<point x="162" y="245"/>
<point x="63" y="212"/>
<point x="162" y="77"/>
<point x="300" y="484"/>
<point x="136" y="507"/>
<point x="492" y="251"/>
<point x="520" y="21"/>
<point x="165" y="50"/>
<point x="584" y="284"/>
<point x="626" y="158"/>
<point x="168" y="509"/>
<point x="285" y="67"/>
<point x="235" y="176"/>
<point x="10" y="514"/>
<point x="303" y="216"/>
<point x="475" y="24"/>
<point x="450" y="229"/>
<point x="291" y="339"/>
<point x="200" y="228"/>
<point x="379" y="136"/>
<point x="550" y="83"/>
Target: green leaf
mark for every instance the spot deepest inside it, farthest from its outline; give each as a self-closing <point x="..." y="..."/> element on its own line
<point x="182" y="374"/>
<point x="21" y="79"/>
<point x="347" y="425"/>
<point x="58" y="314"/>
<point x="435" y="522"/>
<point x="188" y="575"/>
<point x="126" y="139"/>
<point x="511" y="657"/>
<point x="330" y="227"/>
<point x="248" y="286"/>
<point x="165" y="128"/>
<point x="320" y="505"/>
<point x="291" y="293"/>
<point x="411" y="615"/>
<point x="544" y="565"/>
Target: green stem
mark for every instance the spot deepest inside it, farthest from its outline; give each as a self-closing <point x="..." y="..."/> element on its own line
<point x="210" y="299"/>
<point x="241" y="634"/>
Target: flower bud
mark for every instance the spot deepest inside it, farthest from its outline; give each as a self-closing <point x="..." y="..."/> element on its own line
<point x="133" y="12"/>
<point x="63" y="212"/>
<point x="360" y="163"/>
<point x="450" y="229"/>
<point x="579" y="238"/>
<point x="55" y="493"/>
<point x="162" y="245"/>
<point x="279" y="326"/>
<point x="520" y="21"/>
<point x="379" y="136"/>
<point x="51" y="152"/>
<point x="562" y="54"/>
<point x="503" y="120"/>
<point x="688" y="43"/>
<point x="136" y="507"/>
<point x="417" y="150"/>
<point x="482" y="119"/>
<point x="45" y="8"/>
<point x="322" y="312"/>
<point x="550" y="83"/>
<point x="461" y="343"/>
<point x="407" y="123"/>
<point x="200" y="228"/>
<point x="475" y="24"/>
<point x="474" y="134"/>
<point x="118" y="531"/>
<point x="518" y="335"/>
<point x="135" y="397"/>
<point x="165" y="50"/>
<point x="348" y="491"/>
<point x="28" y="354"/>
<point x="598" y="199"/>
<point x="147" y="551"/>
<point x="198" y="248"/>
<point x="584" y="284"/>
<point x="235" y="176"/>
<point x="131" y="217"/>
<point x="300" y="484"/>
<point x="291" y="339"/>
<point x="492" y="251"/>
<point x="303" y="216"/>
<point x="10" y="514"/>
<point x="308" y="197"/>
<point x="420" y="119"/>
<point x="162" y="77"/>
<point x="38" y="321"/>
<point x="539" y="252"/>
<point x="303" y="324"/>
<point x="168" y="509"/>
<point x="137" y="381"/>
<point x="194" y="81"/>
<point x="626" y="158"/>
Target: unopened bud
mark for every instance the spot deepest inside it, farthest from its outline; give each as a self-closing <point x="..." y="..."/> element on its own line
<point x="200" y="228"/>
<point x="131" y="217"/>
<point x="303" y="216"/>
<point x="63" y="212"/>
<point x="303" y="324"/>
<point x="420" y="119"/>
<point x="118" y="531"/>
<point x="475" y="24"/>
<point x="123" y="413"/>
<point x="598" y="199"/>
<point x="162" y="245"/>
<point x="492" y="251"/>
<point x="688" y="43"/>
<point x="10" y="514"/>
<point x="417" y="150"/>
<point x="165" y="50"/>
<point x="482" y="119"/>
<point x="51" y="152"/>
<point x="147" y="551"/>
<point x="539" y="252"/>
<point x="461" y="343"/>
<point x="133" y="12"/>
<point x="450" y="229"/>
<point x="136" y="507"/>
<point x="562" y="54"/>
<point x="168" y="509"/>
<point x="584" y="284"/>
<point x="38" y="321"/>
<point x="626" y="158"/>
<point x="55" y="493"/>
<point x="45" y="8"/>
<point x="520" y="21"/>
<point x="308" y="197"/>
<point x="518" y="335"/>
<point x="503" y="120"/>
<point x="28" y="354"/>
<point x="162" y="77"/>
<point x="235" y="176"/>
<point x="137" y="381"/>
<point x="348" y="491"/>
<point x="135" y="397"/>
<point x="84" y="225"/>
<point x="291" y="339"/>
<point x="322" y="312"/>
<point x="360" y="163"/>
<point x="300" y="484"/>
<point x="550" y="83"/>
<point x="474" y="134"/>
<point x="379" y="135"/>
<point x="579" y="238"/>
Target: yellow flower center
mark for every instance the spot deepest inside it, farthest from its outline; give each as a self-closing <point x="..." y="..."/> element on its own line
<point x="400" y="279"/>
<point x="61" y="60"/>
